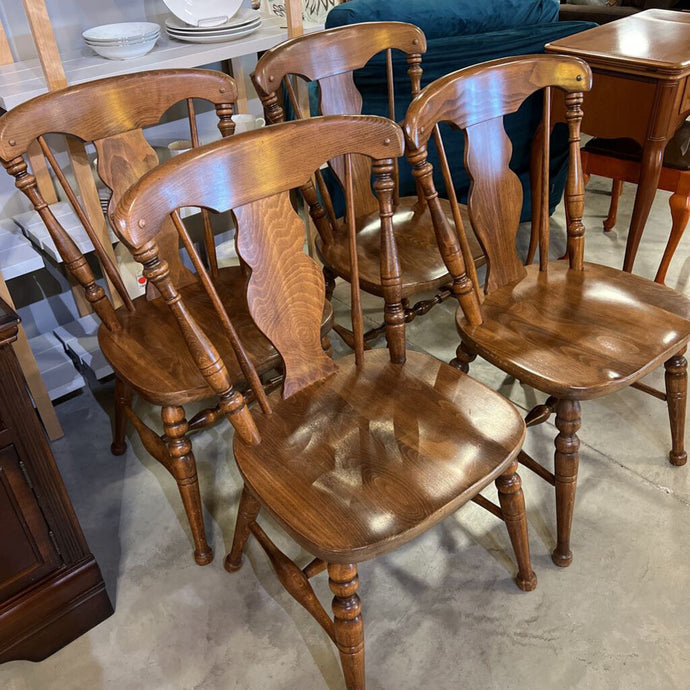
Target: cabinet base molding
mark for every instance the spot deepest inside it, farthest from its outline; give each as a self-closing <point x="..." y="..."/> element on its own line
<point x="60" y="608"/>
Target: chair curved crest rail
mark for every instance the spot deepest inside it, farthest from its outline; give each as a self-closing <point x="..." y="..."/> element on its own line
<point x="329" y="59"/>
<point x="141" y="339"/>
<point x="356" y="455"/>
<point x="572" y="330"/>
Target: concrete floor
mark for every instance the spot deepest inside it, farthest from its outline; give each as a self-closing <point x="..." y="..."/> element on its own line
<point x="443" y="611"/>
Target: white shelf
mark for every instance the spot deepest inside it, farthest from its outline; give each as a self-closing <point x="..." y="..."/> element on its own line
<point x="21" y="81"/>
<point x="35" y="230"/>
<point x="17" y="256"/>
<point x="56" y="367"/>
<point x="80" y="338"/>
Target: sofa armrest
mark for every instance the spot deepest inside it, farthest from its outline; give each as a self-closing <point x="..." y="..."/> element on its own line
<point x="594" y="13"/>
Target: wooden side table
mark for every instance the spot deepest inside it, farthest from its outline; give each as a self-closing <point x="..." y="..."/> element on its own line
<point x="51" y="589"/>
<point x="641" y="90"/>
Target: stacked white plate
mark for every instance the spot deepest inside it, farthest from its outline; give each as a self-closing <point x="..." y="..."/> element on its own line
<point x="242" y="24"/>
<point x="122" y="41"/>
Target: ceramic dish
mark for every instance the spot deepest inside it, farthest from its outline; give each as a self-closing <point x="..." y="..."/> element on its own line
<point x="121" y="33"/>
<point x="218" y="38"/>
<point x="242" y="18"/>
<point x="204" y="12"/>
<point x="124" y="51"/>
<point x="223" y="32"/>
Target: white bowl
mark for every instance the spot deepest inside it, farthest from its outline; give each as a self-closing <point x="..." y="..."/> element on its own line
<point x="125" y="51"/>
<point x="124" y="31"/>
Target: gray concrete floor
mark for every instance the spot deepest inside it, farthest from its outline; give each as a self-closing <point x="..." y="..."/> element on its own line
<point x="443" y="611"/>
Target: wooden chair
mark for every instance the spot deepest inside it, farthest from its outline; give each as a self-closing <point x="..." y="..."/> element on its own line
<point x="140" y="338"/>
<point x="329" y="58"/>
<point x="572" y="330"/>
<point x="619" y="159"/>
<point x="355" y="456"/>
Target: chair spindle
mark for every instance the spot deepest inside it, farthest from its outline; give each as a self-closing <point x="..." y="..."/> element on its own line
<point x="544" y="201"/>
<point x="106" y="262"/>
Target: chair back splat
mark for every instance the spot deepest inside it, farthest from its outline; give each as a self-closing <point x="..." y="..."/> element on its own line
<point x="270" y="233"/>
<point x="330" y="58"/>
<point x="495" y="196"/>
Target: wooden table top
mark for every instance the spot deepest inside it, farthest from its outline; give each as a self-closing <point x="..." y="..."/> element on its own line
<point x="650" y="41"/>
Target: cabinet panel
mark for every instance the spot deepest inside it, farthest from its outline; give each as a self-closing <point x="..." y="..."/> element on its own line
<point x="26" y="551"/>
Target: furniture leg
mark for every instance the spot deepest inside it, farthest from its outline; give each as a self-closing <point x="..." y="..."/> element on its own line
<point x="329" y="277"/>
<point x="535" y="164"/>
<point x="512" y="502"/>
<point x="676" y="378"/>
<point x="616" y="189"/>
<point x="650" y="168"/>
<point x="567" y="459"/>
<point x="123" y="399"/>
<point x="247" y="512"/>
<point x="349" y="628"/>
<point x="183" y="468"/>
<point x="680" y="214"/>
<point x="463" y="357"/>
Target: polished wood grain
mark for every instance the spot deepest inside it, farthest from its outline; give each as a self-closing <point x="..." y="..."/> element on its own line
<point x="640" y="91"/>
<point x="572" y="330"/>
<point x="396" y="472"/>
<point x="330" y="57"/>
<point x="142" y="339"/>
<point x="356" y="456"/>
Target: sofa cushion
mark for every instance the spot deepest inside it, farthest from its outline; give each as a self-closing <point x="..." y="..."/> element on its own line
<point x="440" y="18"/>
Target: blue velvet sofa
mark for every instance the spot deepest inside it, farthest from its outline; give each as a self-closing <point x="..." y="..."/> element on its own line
<point x="462" y="33"/>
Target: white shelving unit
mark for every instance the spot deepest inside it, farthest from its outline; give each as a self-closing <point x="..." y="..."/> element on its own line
<point x="21" y="81"/>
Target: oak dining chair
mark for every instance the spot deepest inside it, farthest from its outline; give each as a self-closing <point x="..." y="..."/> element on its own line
<point x="570" y="329"/>
<point x="140" y="339"/>
<point x="329" y="59"/>
<point x="352" y="457"/>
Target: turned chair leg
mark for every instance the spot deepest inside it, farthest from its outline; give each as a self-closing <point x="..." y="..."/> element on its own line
<point x="349" y="628"/>
<point x="247" y="512"/>
<point x="183" y="468"/>
<point x="512" y="502"/>
<point x="567" y="459"/>
<point x="676" y="377"/>
<point x="463" y="357"/>
<point x="123" y="400"/>
<point x="616" y="189"/>
<point x="329" y="277"/>
<point x="680" y="215"/>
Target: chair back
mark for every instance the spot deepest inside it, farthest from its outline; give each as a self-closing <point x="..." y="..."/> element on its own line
<point x="285" y="291"/>
<point x="111" y="114"/>
<point x="476" y="99"/>
<point x="330" y="58"/>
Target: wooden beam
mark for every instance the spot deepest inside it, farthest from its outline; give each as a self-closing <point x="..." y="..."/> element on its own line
<point x="293" y="14"/>
<point x="5" y="52"/>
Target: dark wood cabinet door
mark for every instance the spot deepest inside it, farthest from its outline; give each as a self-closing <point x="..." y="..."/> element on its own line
<point x="27" y="552"/>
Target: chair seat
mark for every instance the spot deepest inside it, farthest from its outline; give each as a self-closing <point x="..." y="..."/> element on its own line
<point x="590" y="333"/>
<point x="676" y="154"/>
<point x="351" y="472"/>
<point x="421" y="264"/>
<point x="155" y="362"/>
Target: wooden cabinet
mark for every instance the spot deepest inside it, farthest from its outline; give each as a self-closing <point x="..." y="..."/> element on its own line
<point x="51" y="589"/>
